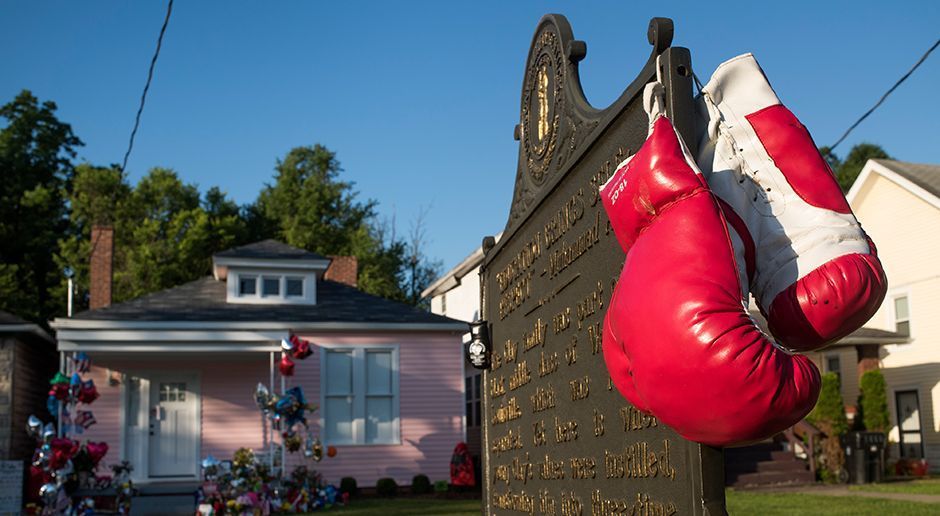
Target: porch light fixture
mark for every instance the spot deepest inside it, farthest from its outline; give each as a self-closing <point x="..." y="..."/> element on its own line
<point x="478" y="345"/>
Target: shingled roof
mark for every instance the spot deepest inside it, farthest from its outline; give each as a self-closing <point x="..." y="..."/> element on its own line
<point x="862" y="335"/>
<point x="8" y="318"/>
<point x="921" y="174"/>
<point x="204" y="300"/>
<point x="269" y="250"/>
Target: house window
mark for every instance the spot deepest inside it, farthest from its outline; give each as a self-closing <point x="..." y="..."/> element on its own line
<point x="472" y="398"/>
<point x="294" y="287"/>
<point x="833" y="365"/>
<point x="360" y="391"/>
<point x="902" y="317"/>
<point x="247" y="285"/>
<point x="911" y="439"/>
<point x="271" y="286"/>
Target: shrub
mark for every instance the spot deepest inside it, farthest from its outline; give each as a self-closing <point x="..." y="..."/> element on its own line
<point x="348" y="485"/>
<point x="440" y="486"/>
<point x="386" y="487"/>
<point x="874" y="401"/>
<point x="829" y="416"/>
<point x="420" y="484"/>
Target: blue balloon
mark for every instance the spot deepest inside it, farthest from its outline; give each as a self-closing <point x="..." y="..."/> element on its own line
<point x="52" y="405"/>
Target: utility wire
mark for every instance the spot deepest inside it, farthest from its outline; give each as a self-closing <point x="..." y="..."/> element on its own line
<point x="143" y="96"/>
<point x="883" y="97"/>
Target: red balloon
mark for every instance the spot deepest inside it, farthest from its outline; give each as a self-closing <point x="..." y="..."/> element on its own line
<point x="96" y="451"/>
<point x="331" y="451"/>
<point x="286" y="366"/>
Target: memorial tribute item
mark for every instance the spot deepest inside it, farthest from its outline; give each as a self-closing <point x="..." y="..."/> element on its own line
<point x="558" y="437"/>
<point x="814" y="273"/>
<point x="678" y="341"/>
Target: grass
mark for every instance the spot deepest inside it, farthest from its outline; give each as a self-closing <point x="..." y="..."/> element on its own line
<point x="739" y="503"/>
<point x="929" y="486"/>
<point x="773" y="504"/>
<point x="408" y="507"/>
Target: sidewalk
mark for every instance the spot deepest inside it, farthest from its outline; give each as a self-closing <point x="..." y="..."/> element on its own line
<point x="841" y="490"/>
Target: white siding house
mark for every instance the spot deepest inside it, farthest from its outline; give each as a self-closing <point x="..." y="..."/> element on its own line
<point x="899" y="205"/>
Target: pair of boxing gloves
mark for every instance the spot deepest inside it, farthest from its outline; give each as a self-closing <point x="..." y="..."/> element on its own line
<point x="757" y="211"/>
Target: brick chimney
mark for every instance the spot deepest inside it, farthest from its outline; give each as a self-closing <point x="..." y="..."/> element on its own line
<point x="102" y="263"/>
<point x="343" y="269"/>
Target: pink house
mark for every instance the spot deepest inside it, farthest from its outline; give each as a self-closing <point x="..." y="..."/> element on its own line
<point x="177" y="369"/>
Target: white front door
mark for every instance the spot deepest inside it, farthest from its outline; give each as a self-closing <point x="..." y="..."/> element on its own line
<point x="174" y="422"/>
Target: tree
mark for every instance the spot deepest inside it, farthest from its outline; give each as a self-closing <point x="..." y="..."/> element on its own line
<point x="36" y="150"/>
<point x="873" y="401"/>
<point x="310" y="207"/>
<point x="846" y="171"/>
<point x="419" y="270"/>
<point x="165" y="234"/>
<point x="829" y="416"/>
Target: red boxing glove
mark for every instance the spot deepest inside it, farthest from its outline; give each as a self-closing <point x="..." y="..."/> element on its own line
<point x="678" y="341"/>
<point x="817" y="277"/>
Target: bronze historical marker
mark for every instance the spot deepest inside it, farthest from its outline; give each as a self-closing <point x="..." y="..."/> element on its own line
<point x="558" y="437"/>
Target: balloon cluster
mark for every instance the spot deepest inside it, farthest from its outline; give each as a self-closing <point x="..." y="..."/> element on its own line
<point x="296" y="348"/>
<point x="67" y="391"/>
<point x="58" y="464"/>
<point x="248" y="488"/>
<point x="288" y="414"/>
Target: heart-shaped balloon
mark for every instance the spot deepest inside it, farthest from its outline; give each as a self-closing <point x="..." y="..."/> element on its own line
<point x="302" y="349"/>
<point x="88" y="392"/>
<point x="286" y="366"/>
<point x="62" y="451"/>
<point x="96" y="451"/>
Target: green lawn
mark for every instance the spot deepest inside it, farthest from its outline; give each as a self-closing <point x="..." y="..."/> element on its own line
<point x="773" y="504"/>
<point x="739" y="503"/>
<point x="930" y="486"/>
<point x="408" y="506"/>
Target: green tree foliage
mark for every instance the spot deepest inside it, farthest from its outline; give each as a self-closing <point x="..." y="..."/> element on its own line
<point x="847" y="170"/>
<point x="165" y="231"/>
<point x="165" y="234"/>
<point x="310" y="207"/>
<point x="35" y="170"/>
<point x="873" y="401"/>
<point x="829" y="416"/>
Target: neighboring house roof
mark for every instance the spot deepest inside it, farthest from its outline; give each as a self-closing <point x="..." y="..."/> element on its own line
<point x="920" y="179"/>
<point x="10" y="323"/>
<point x="451" y="278"/>
<point x="921" y="174"/>
<point x="269" y="250"/>
<point x="6" y="318"/>
<point x="204" y="300"/>
<point x="862" y="335"/>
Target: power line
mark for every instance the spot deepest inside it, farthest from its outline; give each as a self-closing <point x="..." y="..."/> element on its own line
<point x="883" y="97"/>
<point x="143" y="96"/>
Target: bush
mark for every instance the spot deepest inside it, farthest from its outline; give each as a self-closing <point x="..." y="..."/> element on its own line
<point x="348" y="485"/>
<point x="441" y="486"/>
<point x="873" y="401"/>
<point x="829" y="416"/>
<point x="386" y="487"/>
<point x="420" y="484"/>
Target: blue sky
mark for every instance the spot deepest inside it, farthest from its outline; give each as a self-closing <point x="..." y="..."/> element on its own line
<point x="419" y="99"/>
